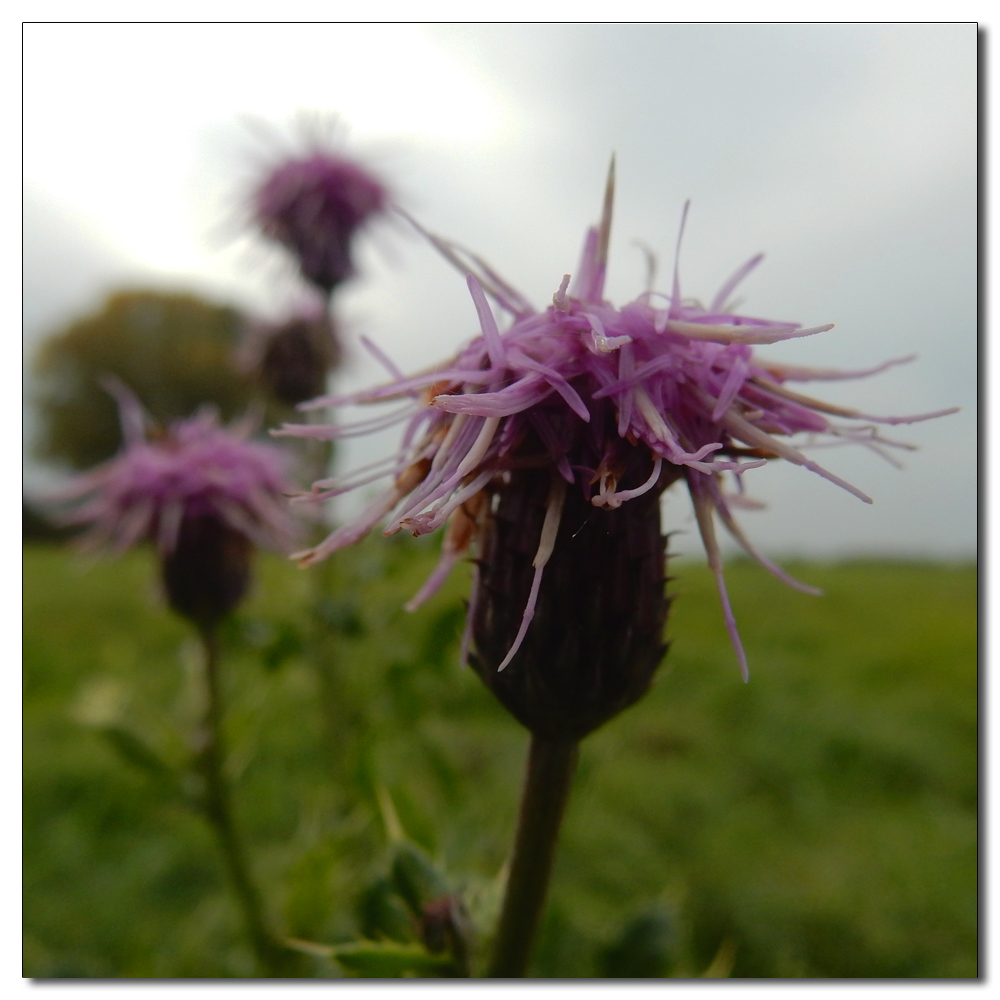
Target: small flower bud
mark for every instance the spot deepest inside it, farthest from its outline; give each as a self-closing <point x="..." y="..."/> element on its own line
<point x="445" y="926"/>
<point x="296" y="358"/>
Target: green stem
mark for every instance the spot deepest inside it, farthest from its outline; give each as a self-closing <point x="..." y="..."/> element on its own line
<point x="271" y="957"/>
<point x="324" y="652"/>
<point x="549" y="774"/>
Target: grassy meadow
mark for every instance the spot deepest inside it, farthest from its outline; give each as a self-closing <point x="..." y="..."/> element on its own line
<point x="820" y="821"/>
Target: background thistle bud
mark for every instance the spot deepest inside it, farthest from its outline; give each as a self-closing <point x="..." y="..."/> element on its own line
<point x="596" y="638"/>
<point x="296" y="357"/>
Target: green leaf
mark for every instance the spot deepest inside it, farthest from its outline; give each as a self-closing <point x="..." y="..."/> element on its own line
<point x="381" y="959"/>
<point x="415" y="878"/>
<point x="381" y="913"/>
<point x="644" y="949"/>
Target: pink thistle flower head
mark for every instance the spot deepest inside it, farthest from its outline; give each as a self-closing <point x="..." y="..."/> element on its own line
<point x="313" y="205"/>
<point x="204" y="494"/>
<point x="572" y="421"/>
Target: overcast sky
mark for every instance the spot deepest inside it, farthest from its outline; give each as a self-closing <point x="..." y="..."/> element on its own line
<point x="846" y="152"/>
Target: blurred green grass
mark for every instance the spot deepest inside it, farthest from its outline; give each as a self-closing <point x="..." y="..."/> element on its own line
<point x="820" y="821"/>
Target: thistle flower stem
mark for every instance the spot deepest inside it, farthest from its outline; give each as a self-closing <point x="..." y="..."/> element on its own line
<point x="324" y="646"/>
<point x="218" y="810"/>
<point x="548" y="777"/>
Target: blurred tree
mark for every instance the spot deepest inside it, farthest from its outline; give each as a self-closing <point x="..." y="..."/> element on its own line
<point x="174" y="350"/>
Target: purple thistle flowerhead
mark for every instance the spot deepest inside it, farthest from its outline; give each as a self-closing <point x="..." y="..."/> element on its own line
<point x="204" y="494"/>
<point x="548" y="445"/>
<point x="313" y="205"/>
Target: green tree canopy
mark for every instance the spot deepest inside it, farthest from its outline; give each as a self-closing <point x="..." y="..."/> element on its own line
<point x="175" y="351"/>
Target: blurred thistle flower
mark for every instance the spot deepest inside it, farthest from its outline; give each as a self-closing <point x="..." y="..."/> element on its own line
<point x="205" y="495"/>
<point x="313" y="205"/>
<point x="292" y="359"/>
<point x="549" y="444"/>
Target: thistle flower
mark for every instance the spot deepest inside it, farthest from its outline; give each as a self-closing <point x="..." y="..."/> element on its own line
<point x="549" y="444"/>
<point x="203" y="494"/>
<point x="313" y="205"/>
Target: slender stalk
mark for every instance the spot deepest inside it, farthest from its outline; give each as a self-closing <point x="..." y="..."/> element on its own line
<point x="337" y="717"/>
<point x="270" y="955"/>
<point x="548" y="777"/>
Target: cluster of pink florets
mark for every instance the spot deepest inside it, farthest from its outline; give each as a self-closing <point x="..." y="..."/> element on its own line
<point x="682" y="381"/>
<point x="194" y="469"/>
<point x="312" y="206"/>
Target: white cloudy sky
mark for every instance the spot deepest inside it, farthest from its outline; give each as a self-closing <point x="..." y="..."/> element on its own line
<point x="846" y="152"/>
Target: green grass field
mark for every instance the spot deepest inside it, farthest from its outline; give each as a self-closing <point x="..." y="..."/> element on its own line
<point x="818" y="822"/>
